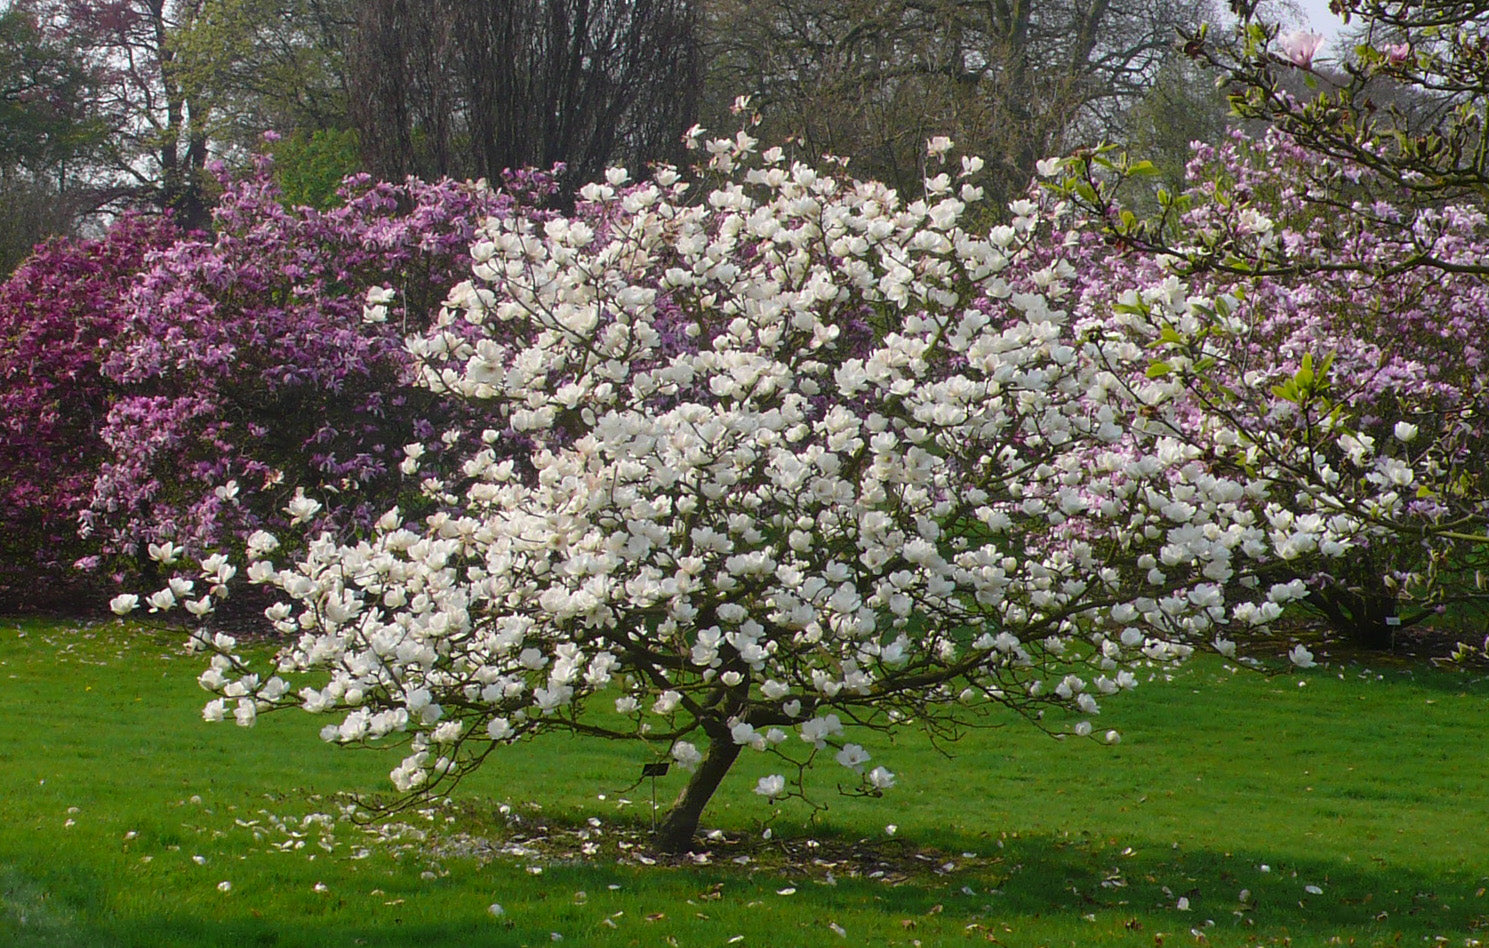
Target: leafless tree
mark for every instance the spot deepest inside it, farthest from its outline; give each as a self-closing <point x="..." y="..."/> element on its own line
<point x="473" y="87"/>
<point x="1013" y="80"/>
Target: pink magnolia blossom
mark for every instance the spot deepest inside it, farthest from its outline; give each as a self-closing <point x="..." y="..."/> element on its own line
<point x="1300" y="46"/>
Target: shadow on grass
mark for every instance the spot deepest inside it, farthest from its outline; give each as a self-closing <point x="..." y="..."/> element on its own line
<point x="1242" y="894"/>
<point x="32" y="915"/>
<point x="1050" y="887"/>
<point x="1242" y="897"/>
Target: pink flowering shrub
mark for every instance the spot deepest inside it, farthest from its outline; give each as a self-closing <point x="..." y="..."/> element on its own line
<point x="250" y="363"/>
<point x="808" y="461"/>
<point x="1345" y="350"/>
<point x="58" y="314"/>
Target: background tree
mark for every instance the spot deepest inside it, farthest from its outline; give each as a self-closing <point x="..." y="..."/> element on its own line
<point x="1013" y="82"/>
<point x="47" y="137"/>
<point x="466" y="88"/>
<point x="268" y="65"/>
<point x="181" y="81"/>
<point x="277" y="66"/>
<point x="310" y="167"/>
<point x="471" y="88"/>
<point x="1182" y="107"/>
<point x="158" y="124"/>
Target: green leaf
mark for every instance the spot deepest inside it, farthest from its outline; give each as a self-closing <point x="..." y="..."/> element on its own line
<point x="1305" y="376"/>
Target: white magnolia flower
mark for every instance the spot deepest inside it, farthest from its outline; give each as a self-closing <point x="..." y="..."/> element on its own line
<point x="261" y="542"/>
<point x="301" y="508"/>
<point x="852" y="756"/>
<point x="745" y="734"/>
<point x="771" y="787"/>
<point x="166" y="553"/>
<point x="246" y="713"/>
<point x="687" y="755"/>
<point x="1301" y="656"/>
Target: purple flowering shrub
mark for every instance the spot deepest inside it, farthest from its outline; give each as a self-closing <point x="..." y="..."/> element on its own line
<point x="58" y="313"/>
<point x="164" y="391"/>
<point x="252" y="365"/>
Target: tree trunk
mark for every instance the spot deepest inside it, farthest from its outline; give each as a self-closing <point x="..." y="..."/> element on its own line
<point x="1360" y="616"/>
<point x="676" y="833"/>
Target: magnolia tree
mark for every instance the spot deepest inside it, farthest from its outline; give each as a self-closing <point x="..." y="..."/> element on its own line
<point x="1345" y="357"/>
<point x="1394" y="135"/>
<point x="808" y="462"/>
<point x="1401" y="92"/>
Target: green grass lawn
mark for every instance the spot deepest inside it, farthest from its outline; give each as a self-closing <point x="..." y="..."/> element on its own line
<point x="1335" y="806"/>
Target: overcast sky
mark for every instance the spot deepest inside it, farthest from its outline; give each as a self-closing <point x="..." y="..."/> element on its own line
<point x="1318" y="14"/>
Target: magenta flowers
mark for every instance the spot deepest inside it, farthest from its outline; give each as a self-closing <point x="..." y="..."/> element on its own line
<point x="58" y="314"/>
<point x="167" y="387"/>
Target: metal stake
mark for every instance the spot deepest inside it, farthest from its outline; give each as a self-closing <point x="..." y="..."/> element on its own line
<point x="654" y="771"/>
